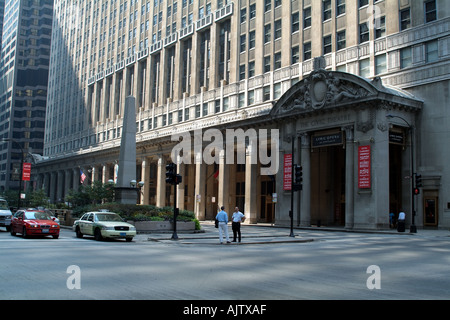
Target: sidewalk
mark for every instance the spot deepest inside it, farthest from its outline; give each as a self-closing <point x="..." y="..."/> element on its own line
<point x="266" y="233"/>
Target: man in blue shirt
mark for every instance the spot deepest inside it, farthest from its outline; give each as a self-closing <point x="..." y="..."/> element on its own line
<point x="222" y="217"/>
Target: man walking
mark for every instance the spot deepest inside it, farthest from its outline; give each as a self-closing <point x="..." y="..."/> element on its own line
<point x="236" y="220"/>
<point x="222" y="217"/>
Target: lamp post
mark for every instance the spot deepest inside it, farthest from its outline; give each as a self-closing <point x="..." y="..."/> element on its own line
<point x="21" y="166"/>
<point x="412" y="228"/>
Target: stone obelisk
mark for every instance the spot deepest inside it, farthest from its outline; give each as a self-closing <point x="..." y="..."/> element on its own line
<point x="124" y="191"/>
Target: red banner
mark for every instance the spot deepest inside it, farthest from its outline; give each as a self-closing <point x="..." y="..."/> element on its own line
<point x="287" y="172"/>
<point x="26" y="171"/>
<point x="364" y="167"/>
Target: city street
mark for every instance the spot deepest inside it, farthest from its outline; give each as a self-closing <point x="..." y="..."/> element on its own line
<point x="268" y="265"/>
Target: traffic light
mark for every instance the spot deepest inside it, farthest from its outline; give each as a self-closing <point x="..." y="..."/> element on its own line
<point x="170" y="173"/>
<point x="418" y="180"/>
<point x="298" y="178"/>
<point x="416" y="191"/>
<point x="178" y="179"/>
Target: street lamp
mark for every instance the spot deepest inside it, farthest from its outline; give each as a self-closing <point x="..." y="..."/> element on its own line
<point x="21" y="166"/>
<point x="412" y="228"/>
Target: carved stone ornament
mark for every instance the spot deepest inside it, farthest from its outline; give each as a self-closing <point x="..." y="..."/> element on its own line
<point x="322" y="88"/>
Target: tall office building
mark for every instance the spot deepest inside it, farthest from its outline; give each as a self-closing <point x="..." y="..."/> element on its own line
<point x="370" y="112"/>
<point x="25" y="56"/>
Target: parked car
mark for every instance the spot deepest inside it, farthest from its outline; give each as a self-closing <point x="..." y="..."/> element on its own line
<point x="5" y="214"/>
<point x="32" y="222"/>
<point x="104" y="225"/>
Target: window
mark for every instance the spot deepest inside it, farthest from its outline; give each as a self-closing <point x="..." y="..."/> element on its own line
<point x="380" y="27"/>
<point x="295" y="54"/>
<point x="267" y="31"/>
<point x="431" y="51"/>
<point x="251" y="40"/>
<point x="277" y="61"/>
<point x="405" y="58"/>
<point x="266" y="64"/>
<point x="340" y="7"/>
<point x="307" y="17"/>
<point x="363" y="32"/>
<point x="295" y="22"/>
<point x="326" y="10"/>
<point x="243" y="42"/>
<point x="340" y="40"/>
<point x="363" y="3"/>
<point x="430" y="11"/>
<point x="380" y="64"/>
<point x="251" y="97"/>
<point x="267" y="5"/>
<point x="326" y="44"/>
<point x="277" y="29"/>
<point x="252" y="11"/>
<point x="243" y="15"/>
<point x="364" y="68"/>
<point x="242" y="72"/>
<point x="266" y="93"/>
<point x="405" y="19"/>
<point x="205" y="109"/>
<point x="241" y="100"/>
<point x="306" y="51"/>
<point x="277" y="90"/>
<point x="251" y="69"/>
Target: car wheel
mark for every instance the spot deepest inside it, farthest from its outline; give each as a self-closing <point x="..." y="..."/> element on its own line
<point x="56" y="236"/>
<point x="24" y="232"/>
<point x="129" y="239"/>
<point x="78" y="232"/>
<point x="8" y="228"/>
<point x="98" y="235"/>
<point x="12" y="232"/>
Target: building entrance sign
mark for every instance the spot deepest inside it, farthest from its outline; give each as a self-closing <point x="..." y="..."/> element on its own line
<point x="364" y="167"/>
<point x="326" y="140"/>
<point x="287" y="172"/>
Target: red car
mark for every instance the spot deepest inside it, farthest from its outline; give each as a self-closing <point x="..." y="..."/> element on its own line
<point x="33" y="222"/>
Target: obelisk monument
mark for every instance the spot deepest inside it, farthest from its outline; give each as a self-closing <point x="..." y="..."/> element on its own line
<point x="124" y="191"/>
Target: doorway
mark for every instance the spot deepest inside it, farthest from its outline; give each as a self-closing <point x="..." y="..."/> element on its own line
<point x="395" y="178"/>
<point x="328" y="186"/>
<point x="430" y="208"/>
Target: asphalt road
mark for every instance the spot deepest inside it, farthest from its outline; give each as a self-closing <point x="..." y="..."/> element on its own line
<point x="334" y="265"/>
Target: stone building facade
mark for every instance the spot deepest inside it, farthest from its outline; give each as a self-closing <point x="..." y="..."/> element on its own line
<point x="383" y="84"/>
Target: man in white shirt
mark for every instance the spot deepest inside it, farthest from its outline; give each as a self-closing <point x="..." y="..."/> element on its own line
<point x="236" y="223"/>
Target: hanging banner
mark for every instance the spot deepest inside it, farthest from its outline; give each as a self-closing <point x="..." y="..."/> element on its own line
<point x="364" y="167"/>
<point x="26" y="171"/>
<point x="287" y="172"/>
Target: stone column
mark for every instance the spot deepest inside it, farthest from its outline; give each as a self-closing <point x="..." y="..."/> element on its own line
<point x="305" y="205"/>
<point x="349" y="177"/>
<point x="200" y="194"/>
<point x="181" y="170"/>
<point x="250" y="209"/>
<point x="145" y="177"/>
<point x="224" y="186"/>
<point x="60" y="186"/>
<point x="76" y="179"/>
<point x="161" y="182"/>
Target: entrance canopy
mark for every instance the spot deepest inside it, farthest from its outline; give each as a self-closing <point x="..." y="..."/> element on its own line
<point x="324" y="90"/>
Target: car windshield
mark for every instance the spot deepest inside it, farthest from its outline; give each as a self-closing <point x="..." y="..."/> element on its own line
<point x="108" y="217"/>
<point x="3" y="205"/>
<point x="37" y="215"/>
